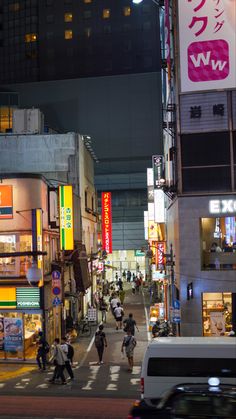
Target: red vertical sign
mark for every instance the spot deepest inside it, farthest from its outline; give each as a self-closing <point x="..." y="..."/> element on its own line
<point x="106" y="222"/>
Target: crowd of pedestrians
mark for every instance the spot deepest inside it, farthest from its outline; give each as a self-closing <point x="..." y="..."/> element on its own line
<point x="61" y="353"/>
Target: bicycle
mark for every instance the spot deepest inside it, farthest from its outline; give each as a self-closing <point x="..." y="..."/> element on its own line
<point x="83" y="328"/>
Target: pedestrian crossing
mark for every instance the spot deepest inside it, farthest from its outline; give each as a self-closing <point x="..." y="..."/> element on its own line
<point x="98" y="379"/>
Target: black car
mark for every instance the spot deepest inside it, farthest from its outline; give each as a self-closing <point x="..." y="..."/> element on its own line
<point x="195" y="401"/>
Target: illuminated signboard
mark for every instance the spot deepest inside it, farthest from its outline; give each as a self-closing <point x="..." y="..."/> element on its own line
<point x="223" y="206"/>
<point x="28" y="297"/>
<point x="66" y="217"/>
<point x="6" y="202"/>
<point x="159" y="206"/>
<point x="106" y="222"/>
<point x="207" y="44"/>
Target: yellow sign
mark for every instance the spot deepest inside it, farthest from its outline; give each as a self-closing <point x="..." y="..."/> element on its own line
<point x="66" y="218"/>
<point x="7" y="297"/>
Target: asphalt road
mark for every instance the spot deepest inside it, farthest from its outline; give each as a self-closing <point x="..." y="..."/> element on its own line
<point x="98" y="391"/>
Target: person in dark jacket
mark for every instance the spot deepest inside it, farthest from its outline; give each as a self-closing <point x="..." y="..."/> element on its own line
<point x="41" y="357"/>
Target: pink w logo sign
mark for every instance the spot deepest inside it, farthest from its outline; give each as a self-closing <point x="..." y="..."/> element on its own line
<point x="208" y="60"/>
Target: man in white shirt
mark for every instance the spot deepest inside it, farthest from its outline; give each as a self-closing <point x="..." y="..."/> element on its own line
<point x="118" y="313"/>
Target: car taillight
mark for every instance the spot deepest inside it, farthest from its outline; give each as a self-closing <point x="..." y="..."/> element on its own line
<point x="142" y="385"/>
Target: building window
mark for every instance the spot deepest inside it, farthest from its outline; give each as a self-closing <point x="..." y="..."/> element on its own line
<point x="30" y="37"/>
<point x="127" y="11"/>
<point x="107" y="29"/>
<point x="88" y="32"/>
<point x="68" y="34"/>
<point x="50" y="18"/>
<point x="87" y="14"/>
<point x="8" y="245"/>
<point x="49" y="35"/>
<point x="14" y="7"/>
<point x="218" y="241"/>
<point x="106" y="13"/>
<point x="68" y="17"/>
<point x="216" y="313"/>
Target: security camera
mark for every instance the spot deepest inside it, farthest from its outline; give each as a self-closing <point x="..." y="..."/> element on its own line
<point x="34" y="275"/>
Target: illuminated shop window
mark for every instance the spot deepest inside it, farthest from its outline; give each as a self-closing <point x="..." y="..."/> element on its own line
<point x="68" y="34"/>
<point x="5" y="119"/>
<point x="219" y="241"/>
<point x="127" y="11"/>
<point x="68" y="17"/>
<point x="7" y="245"/>
<point x="31" y="37"/>
<point x="106" y="13"/>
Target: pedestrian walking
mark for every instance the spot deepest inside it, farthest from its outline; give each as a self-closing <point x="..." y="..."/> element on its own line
<point x="129" y="343"/>
<point x="100" y="343"/>
<point x="122" y="296"/>
<point x="120" y="284"/>
<point x="130" y="324"/>
<point x="43" y="349"/>
<point x="113" y="302"/>
<point x="103" y="309"/>
<point x="133" y="286"/>
<point x="128" y="276"/>
<point x="118" y="313"/>
<point x="58" y="358"/>
<point x="69" y="351"/>
<point x="137" y="285"/>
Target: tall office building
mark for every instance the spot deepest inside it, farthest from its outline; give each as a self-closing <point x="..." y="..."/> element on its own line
<point x="92" y="66"/>
<point x="201" y="217"/>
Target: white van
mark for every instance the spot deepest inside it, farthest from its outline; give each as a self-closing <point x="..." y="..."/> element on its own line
<point x="174" y="360"/>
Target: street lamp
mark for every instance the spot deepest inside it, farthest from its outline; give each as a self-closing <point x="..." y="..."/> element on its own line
<point x="34" y="274"/>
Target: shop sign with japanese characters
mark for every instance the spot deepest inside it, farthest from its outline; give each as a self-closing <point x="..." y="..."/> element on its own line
<point x="106" y="222"/>
<point x="66" y="218"/>
<point x="207" y="43"/>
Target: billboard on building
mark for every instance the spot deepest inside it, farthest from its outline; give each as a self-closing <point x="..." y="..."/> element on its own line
<point x="207" y="44"/>
<point x="66" y="217"/>
<point x="6" y="202"/>
<point x="106" y="222"/>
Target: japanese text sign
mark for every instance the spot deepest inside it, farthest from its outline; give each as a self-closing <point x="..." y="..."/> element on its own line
<point x="66" y="218"/>
<point x="106" y="222"/>
<point x="207" y="43"/>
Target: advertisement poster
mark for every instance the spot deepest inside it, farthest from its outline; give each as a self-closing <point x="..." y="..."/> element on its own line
<point x="217" y="322"/>
<point x="207" y="42"/>
<point x="1" y="334"/>
<point x="106" y="222"/>
<point x="13" y="328"/>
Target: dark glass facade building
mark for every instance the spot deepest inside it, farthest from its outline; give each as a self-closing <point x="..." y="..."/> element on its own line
<point x="92" y="66"/>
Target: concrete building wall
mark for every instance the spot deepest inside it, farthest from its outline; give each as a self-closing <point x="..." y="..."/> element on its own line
<point x="188" y="262"/>
<point x="28" y="193"/>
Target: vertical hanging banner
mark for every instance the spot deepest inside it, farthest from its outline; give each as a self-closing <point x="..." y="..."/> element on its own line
<point x="66" y="217"/>
<point x="6" y="202"/>
<point x="167" y="39"/>
<point x="207" y="43"/>
<point x="106" y="222"/>
<point x="37" y="237"/>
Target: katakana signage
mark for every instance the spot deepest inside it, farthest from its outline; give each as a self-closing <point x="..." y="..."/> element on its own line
<point x="207" y="43"/>
<point x="106" y="222"/>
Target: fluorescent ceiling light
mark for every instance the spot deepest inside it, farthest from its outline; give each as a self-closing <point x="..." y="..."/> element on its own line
<point x="137" y="1"/>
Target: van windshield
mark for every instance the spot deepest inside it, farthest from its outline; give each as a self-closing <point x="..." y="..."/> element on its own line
<point x="191" y="367"/>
